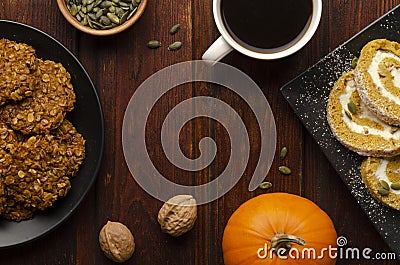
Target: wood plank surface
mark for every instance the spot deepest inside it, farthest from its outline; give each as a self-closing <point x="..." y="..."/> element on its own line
<point x="118" y="64"/>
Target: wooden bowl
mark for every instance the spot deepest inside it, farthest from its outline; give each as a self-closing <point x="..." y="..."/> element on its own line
<point x="101" y="32"/>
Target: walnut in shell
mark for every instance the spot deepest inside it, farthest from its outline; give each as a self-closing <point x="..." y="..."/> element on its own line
<point x="178" y="215"/>
<point x="116" y="241"/>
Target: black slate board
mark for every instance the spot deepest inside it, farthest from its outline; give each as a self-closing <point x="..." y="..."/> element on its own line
<point x="308" y="94"/>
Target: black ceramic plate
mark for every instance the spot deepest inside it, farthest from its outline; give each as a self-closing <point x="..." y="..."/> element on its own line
<point x="88" y="119"/>
<point x="308" y="95"/>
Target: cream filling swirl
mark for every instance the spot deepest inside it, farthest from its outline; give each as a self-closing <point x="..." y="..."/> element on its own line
<point x="386" y="133"/>
<point x="374" y="73"/>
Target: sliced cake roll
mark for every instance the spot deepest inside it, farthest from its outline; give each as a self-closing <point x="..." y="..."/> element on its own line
<point x="355" y="126"/>
<point x="382" y="178"/>
<point x="378" y="79"/>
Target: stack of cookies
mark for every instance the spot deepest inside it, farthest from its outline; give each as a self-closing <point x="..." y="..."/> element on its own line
<point x="39" y="148"/>
<point x="363" y="112"/>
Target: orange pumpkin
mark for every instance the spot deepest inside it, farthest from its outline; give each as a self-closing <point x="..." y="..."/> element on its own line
<point x="279" y="228"/>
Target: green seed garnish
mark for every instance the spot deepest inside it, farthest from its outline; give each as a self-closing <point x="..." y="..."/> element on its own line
<point x="383" y="192"/>
<point x="394" y="129"/>
<point x="354" y="62"/>
<point x="395" y="186"/>
<point x="348" y="114"/>
<point x="352" y="107"/>
<point x="384" y="184"/>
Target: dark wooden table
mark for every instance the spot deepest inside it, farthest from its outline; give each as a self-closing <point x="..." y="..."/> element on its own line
<point x="119" y="64"/>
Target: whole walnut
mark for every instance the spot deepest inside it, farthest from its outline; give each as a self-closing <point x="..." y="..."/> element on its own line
<point x="178" y="215"/>
<point x="116" y="241"/>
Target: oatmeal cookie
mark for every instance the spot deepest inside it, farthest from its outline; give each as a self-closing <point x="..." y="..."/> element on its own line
<point x="38" y="170"/>
<point x="355" y="126"/>
<point x="46" y="108"/>
<point x="17" y="67"/>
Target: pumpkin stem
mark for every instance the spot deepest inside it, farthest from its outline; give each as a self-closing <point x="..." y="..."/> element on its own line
<point x="285" y="241"/>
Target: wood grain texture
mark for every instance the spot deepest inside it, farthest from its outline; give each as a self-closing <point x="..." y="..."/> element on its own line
<point x="119" y="64"/>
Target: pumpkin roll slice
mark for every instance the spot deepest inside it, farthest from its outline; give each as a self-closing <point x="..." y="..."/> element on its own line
<point x="355" y="126"/>
<point x="382" y="178"/>
<point x="378" y="79"/>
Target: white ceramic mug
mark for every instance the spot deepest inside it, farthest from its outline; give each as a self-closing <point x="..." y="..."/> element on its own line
<point x="226" y="43"/>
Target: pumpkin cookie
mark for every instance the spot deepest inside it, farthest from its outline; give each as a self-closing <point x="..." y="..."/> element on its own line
<point x="36" y="171"/>
<point x="17" y="65"/>
<point x="46" y="108"/>
<point x="355" y="126"/>
<point x="378" y="79"/>
<point x="382" y="178"/>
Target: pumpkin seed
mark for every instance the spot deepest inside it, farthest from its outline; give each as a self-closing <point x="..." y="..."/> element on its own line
<point x="85" y="20"/>
<point x="111" y="9"/>
<point x="384" y="184"/>
<point x="348" y="114"/>
<point x="283" y="153"/>
<point x="131" y="13"/>
<point x="383" y="192"/>
<point x="395" y="186"/>
<point x="154" y="44"/>
<point x="114" y="18"/>
<point x="106" y="4"/>
<point x="354" y="62"/>
<point x="90" y="7"/>
<point x="175" y="46"/>
<point x="123" y="4"/>
<point x="124" y="17"/>
<point x="265" y="185"/>
<point x="105" y="20"/>
<point x="352" y="107"/>
<point x="393" y="129"/>
<point x="74" y="10"/>
<point x="285" y="170"/>
<point x="175" y="28"/>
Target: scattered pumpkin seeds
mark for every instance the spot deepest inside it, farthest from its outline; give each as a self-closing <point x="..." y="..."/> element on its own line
<point x="102" y="14"/>
<point x="384" y="184"/>
<point x="175" y="28"/>
<point x="265" y="185"/>
<point x="354" y="62"/>
<point x="395" y="186"/>
<point x="283" y="153"/>
<point x="175" y="46"/>
<point x="285" y="170"/>
<point x="154" y="44"/>
<point x="352" y="107"/>
<point x="383" y="192"/>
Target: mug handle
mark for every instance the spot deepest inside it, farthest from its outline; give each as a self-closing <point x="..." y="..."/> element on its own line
<point x="218" y="50"/>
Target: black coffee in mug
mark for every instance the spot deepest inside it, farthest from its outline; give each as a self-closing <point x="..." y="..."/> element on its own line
<point x="266" y="24"/>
